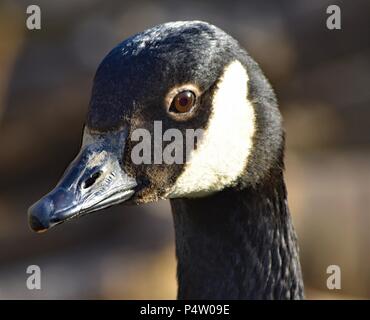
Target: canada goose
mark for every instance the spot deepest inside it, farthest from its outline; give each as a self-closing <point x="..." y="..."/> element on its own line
<point x="234" y="234"/>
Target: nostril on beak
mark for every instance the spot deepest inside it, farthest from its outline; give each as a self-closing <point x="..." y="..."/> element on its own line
<point x="91" y="180"/>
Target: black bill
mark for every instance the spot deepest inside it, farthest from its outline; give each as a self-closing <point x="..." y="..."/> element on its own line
<point x="94" y="180"/>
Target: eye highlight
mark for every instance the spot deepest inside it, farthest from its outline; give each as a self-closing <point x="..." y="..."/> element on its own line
<point x="183" y="102"/>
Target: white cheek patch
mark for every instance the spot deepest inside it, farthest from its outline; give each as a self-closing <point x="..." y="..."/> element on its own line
<point x="222" y="154"/>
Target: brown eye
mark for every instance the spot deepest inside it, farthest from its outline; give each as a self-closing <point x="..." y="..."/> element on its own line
<point x="183" y="102"/>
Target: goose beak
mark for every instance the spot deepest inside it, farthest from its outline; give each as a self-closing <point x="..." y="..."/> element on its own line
<point x="93" y="181"/>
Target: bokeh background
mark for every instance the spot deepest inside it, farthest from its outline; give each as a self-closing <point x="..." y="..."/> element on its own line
<point x="322" y="80"/>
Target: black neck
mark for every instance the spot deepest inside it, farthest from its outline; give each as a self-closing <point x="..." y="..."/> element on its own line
<point x="237" y="244"/>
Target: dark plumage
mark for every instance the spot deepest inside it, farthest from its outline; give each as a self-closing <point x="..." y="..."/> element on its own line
<point x="238" y="244"/>
<point x="234" y="235"/>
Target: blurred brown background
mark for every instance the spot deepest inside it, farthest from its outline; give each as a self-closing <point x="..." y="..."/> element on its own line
<point x="322" y="81"/>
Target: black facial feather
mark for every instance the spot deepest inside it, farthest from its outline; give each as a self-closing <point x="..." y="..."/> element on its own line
<point x="133" y="79"/>
<point x="237" y="243"/>
<point x="143" y="68"/>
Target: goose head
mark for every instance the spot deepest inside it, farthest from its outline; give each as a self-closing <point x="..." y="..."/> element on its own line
<point x="180" y="110"/>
